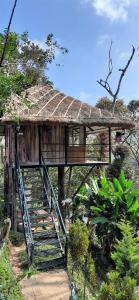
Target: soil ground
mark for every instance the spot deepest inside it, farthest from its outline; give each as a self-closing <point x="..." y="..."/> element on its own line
<point x="52" y="285"/>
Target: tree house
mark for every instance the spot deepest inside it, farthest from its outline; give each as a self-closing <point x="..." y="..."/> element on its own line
<point x="47" y="125"/>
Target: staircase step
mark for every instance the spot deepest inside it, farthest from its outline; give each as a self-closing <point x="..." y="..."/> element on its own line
<point x="50" y="241"/>
<point x="30" y="195"/>
<point x="52" y="264"/>
<point x="43" y="208"/>
<point x="30" y="170"/>
<point x="36" y="200"/>
<point x="49" y="233"/>
<point x="42" y="224"/>
<point x="52" y="251"/>
<point x="31" y="188"/>
<point x="32" y="217"/>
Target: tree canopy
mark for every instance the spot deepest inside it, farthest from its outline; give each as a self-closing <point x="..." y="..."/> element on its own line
<point x="106" y="103"/>
<point x="25" y="63"/>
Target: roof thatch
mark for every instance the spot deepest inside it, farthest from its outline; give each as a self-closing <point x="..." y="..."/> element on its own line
<point x="41" y="104"/>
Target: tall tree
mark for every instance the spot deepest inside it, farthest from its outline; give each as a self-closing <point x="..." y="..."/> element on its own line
<point x="25" y="63"/>
<point x="133" y="107"/>
<point x="106" y="103"/>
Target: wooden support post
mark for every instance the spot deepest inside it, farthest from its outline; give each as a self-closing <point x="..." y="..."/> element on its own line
<point x="66" y="144"/>
<point x="69" y="181"/>
<point x="39" y="135"/>
<point x="110" y="145"/>
<point x="9" y="175"/>
<point x="61" y="192"/>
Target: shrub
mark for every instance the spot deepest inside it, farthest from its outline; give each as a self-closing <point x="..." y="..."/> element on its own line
<point x="16" y="238"/>
<point x="90" y="271"/>
<point x="79" y="242"/>
<point x="9" y="288"/>
<point x="118" y="288"/>
<point x="126" y="254"/>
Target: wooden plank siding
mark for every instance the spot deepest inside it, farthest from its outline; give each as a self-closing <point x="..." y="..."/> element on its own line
<point x="53" y="143"/>
<point x="49" y="140"/>
<point x="28" y="145"/>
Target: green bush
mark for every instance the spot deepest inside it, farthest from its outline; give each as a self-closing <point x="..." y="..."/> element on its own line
<point x="16" y="238"/>
<point x="126" y="254"/>
<point x="118" y="288"/>
<point x="79" y="242"/>
<point x="90" y="271"/>
<point x="9" y="288"/>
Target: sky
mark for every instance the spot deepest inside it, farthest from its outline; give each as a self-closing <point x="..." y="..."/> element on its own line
<point x="86" y="28"/>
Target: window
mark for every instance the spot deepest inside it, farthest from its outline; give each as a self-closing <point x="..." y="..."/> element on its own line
<point x="76" y="136"/>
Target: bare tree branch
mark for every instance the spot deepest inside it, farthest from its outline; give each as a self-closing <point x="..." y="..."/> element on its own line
<point x="7" y="33"/>
<point x="106" y="85"/>
<point x="121" y="77"/>
<point x="110" y="66"/>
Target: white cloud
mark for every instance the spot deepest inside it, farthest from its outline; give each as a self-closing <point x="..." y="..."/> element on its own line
<point x="103" y="39"/>
<point x="112" y="9"/>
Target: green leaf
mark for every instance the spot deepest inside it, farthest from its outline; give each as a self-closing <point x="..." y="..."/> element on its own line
<point x="101" y="220"/>
<point x="134" y="205"/>
<point x="95" y="209"/>
<point x="117" y="185"/>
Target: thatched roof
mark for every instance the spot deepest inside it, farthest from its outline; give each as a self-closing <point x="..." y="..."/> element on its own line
<point x="41" y="104"/>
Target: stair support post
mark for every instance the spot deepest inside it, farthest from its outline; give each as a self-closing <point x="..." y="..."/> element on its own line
<point x="61" y="190"/>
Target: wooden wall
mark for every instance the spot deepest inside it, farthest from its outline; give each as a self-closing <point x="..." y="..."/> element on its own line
<point x="76" y="149"/>
<point x="28" y="144"/>
<point x="49" y="140"/>
<point x="76" y="154"/>
<point x="52" y="140"/>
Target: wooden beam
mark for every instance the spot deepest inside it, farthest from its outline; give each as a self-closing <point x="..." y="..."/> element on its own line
<point x="110" y="147"/>
<point x="9" y="175"/>
<point x="69" y="181"/>
<point x="61" y="191"/>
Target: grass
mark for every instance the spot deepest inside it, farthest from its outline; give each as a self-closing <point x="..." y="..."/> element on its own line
<point x="9" y="286"/>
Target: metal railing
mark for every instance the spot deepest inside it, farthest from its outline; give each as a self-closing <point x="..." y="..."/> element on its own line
<point x="54" y="208"/>
<point x="24" y="212"/>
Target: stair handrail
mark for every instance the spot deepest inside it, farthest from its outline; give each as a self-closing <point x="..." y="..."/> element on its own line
<point x="54" y="199"/>
<point x="24" y="212"/>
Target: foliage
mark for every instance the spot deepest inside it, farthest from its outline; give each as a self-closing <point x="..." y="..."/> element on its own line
<point x="103" y="203"/>
<point x="121" y="194"/>
<point x="78" y="279"/>
<point x="121" y="153"/>
<point x="79" y="242"/>
<point x="133" y="143"/>
<point x="25" y="63"/>
<point x="133" y="106"/>
<point x="118" y="195"/>
<point x="106" y="103"/>
<point x="126" y="254"/>
<point x="81" y="258"/>
<point x="90" y="271"/>
<point x="8" y="284"/>
<point x="17" y="238"/>
<point x="118" y="288"/>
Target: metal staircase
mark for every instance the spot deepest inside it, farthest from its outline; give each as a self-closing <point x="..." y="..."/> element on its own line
<point x="44" y="229"/>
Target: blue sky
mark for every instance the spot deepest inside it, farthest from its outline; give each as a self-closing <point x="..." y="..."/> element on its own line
<point x="86" y="28"/>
